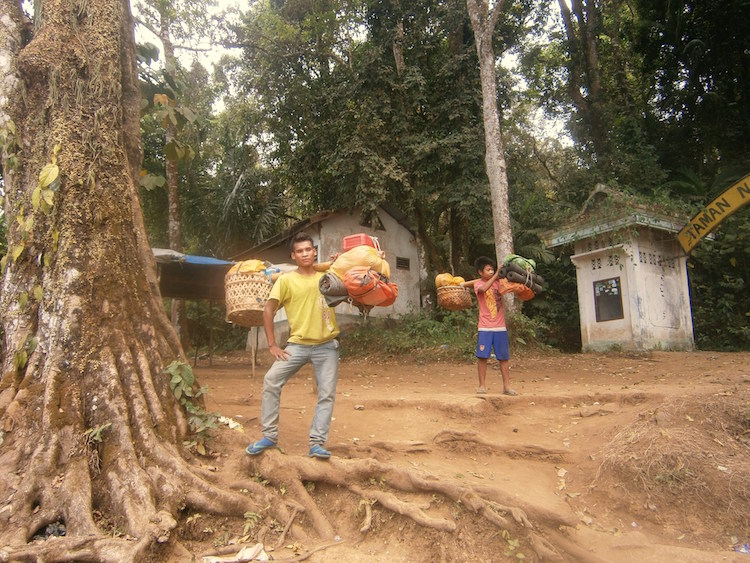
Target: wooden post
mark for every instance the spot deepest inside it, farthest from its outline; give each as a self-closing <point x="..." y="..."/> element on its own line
<point x="253" y="346"/>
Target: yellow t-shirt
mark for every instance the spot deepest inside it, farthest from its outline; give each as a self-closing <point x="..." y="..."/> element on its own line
<point x="311" y="320"/>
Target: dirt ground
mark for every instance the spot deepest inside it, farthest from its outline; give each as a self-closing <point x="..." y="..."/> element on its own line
<point x="608" y="457"/>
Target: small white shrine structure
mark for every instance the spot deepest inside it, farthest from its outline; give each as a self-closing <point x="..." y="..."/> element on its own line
<point x="631" y="273"/>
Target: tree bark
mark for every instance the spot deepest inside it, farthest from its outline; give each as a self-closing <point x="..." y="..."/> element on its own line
<point x="433" y="262"/>
<point x="86" y="337"/>
<point x="398" y="48"/>
<point x="483" y="21"/>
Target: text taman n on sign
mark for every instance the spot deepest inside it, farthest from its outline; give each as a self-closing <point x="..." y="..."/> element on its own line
<point x="734" y="197"/>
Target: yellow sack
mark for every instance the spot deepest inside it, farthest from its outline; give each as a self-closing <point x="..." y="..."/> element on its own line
<point x="247" y="266"/>
<point x="443" y="280"/>
<point x="361" y="256"/>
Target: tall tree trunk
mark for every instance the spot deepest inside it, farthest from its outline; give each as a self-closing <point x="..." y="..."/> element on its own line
<point x="433" y="262"/>
<point x="483" y="21"/>
<point x="178" y="309"/>
<point x="584" y="76"/>
<point x="86" y="337"/>
<point x="398" y="48"/>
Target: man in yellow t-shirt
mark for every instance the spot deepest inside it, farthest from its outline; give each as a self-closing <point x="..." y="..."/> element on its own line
<point x="312" y="338"/>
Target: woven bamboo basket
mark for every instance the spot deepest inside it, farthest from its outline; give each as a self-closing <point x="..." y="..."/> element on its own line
<point x="246" y="295"/>
<point x="454" y="297"/>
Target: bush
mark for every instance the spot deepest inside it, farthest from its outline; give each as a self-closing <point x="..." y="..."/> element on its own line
<point x="719" y="277"/>
<point x="557" y="306"/>
<point x="439" y="335"/>
<point x="208" y="328"/>
<point x="420" y="336"/>
<point x="526" y="333"/>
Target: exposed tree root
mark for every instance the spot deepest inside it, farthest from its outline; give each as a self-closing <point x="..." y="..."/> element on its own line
<point x="134" y="472"/>
<point x="367" y="522"/>
<point x="229" y="550"/>
<point x="576" y="552"/>
<point x="295" y="509"/>
<point x="308" y="553"/>
<point x="394" y="504"/>
<point x="406" y="447"/>
<point x="381" y="484"/>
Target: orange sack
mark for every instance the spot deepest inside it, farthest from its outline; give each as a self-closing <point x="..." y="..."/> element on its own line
<point x="524" y="293"/>
<point x="368" y="287"/>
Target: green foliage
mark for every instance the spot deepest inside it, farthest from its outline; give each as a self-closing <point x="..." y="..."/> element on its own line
<point x="150" y="181"/>
<point x="21" y="357"/>
<point x="252" y="519"/>
<point x="95" y="434"/>
<point x="526" y="333"/>
<point x="350" y="126"/>
<point x="238" y="203"/>
<point x="695" y="56"/>
<point x="182" y="380"/>
<point x="557" y="306"/>
<point x="227" y="200"/>
<point x="208" y="327"/>
<point x="10" y="143"/>
<point x="607" y="104"/>
<point x="42" y="197"/>
<point x="318" y="114"/>
<point x="719" y="272"/>
<point x="182" y="383"/>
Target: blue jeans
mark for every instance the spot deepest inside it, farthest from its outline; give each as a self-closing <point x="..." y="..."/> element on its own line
<point x="325" y="360"/>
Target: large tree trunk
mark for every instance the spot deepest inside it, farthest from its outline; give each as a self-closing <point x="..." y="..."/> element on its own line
<point x="86" y="338"/>
<point x="483" y="21"/>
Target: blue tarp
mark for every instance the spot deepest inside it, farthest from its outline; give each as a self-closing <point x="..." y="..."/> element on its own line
<point x="206" y="260"/>
<point x="184" y="276"/>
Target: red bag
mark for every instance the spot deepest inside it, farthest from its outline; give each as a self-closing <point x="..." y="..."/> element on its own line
<point x="360" y="239"/>
<point x="368" y="287"/>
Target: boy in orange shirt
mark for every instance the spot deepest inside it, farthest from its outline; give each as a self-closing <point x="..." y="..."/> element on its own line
<point x="493" y="333"/>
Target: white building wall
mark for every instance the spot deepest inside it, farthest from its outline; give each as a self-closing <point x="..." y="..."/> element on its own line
<point x="653" y="287"/>
<point x="661" y="268"/>
<point x="596" y="263"/>
<point x="397" y="242"/>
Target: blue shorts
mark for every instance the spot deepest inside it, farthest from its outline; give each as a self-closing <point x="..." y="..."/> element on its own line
<point x="497" y="339"/>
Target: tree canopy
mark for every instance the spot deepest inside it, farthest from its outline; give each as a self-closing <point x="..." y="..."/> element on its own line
<point x="353" y="104"/>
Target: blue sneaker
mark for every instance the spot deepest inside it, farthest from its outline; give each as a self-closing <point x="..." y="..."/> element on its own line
<point x="257" y="447"/>
<point x="319" y="451"/>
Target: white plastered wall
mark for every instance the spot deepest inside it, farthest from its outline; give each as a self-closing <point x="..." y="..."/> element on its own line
<point x="654" y="289"/>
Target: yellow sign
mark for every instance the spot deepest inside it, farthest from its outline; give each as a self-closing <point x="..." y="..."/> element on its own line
<point x="714" y="213"/>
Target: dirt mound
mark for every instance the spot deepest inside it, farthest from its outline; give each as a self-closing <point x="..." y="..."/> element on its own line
<point x="689" y="456"/>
